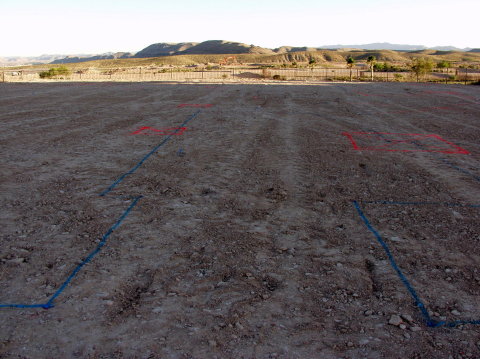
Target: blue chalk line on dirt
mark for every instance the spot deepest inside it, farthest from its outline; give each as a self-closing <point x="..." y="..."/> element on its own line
<point x="155" y="149"/>
<point x="448" y="204"/>
<point x="77" y="269"/>
<point x="463" y="170"/>
<point x="418" y="302"/>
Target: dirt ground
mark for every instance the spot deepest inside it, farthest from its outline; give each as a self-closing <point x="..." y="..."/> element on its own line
<point x="246" y="242"/>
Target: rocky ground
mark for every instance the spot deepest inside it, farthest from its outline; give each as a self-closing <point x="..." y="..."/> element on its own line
<point x="246" y="242"/>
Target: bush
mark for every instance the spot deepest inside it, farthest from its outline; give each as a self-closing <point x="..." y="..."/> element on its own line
<point x="55" y="71"/>
<point x="398" y="77"/>
<point x="443" y="65"/>
<point x="278" y="77"/>
<point x="386" y="67"/>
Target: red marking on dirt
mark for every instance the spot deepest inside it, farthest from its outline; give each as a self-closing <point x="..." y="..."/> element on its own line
<point x="195" y="105"/>
<point x="448" y="92"/>
<point x="401" y="142"/>
<point x="150" y="131"/>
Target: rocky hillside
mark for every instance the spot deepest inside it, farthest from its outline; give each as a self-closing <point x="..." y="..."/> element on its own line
<point x="204" y="48"/>
<point x="75" y="59"/>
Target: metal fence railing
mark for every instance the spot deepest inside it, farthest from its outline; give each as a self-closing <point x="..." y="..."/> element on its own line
<point x="291" y="74"/>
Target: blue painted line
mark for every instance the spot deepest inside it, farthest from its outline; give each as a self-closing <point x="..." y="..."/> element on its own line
<point x="77" y="269"/>
<point x="155" y="149"/>
<point x="418" y="302"/>
<point x="423" y="203"/>
<point x="28" y="306"/>
<point x="394" y="265"/>
<point x="475" y="177"/>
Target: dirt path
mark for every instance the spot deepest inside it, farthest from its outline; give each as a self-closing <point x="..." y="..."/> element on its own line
<point x="246" y="242"/>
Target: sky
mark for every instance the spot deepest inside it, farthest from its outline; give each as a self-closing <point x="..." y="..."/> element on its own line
<point x="37" y="27"/>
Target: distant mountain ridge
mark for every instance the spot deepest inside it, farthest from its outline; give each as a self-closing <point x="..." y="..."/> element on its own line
<point x="107" y="56"/>
<point x="394" y="47"/>
<point x="211" y="47"/>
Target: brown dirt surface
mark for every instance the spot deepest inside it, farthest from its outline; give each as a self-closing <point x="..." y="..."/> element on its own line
<point x="246" y="242"/>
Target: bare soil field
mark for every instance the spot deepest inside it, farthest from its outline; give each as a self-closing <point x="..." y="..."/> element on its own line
<point x="157" y="220"/>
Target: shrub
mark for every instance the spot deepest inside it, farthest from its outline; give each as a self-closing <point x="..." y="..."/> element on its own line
<point x="55" y="71"/>
<point x="386" y="67"/>
<point x="278" y="77"/>
<point x="443" y="65"/>
<point x="398" y="77"/>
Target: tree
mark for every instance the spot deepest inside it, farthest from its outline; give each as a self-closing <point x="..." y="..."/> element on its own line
<point x="350" y="63"/>
<point x="312" y="61"/>
<point x="444" y="65"/>
<point x="371" y="62"/>
<point x="421" y="66"/>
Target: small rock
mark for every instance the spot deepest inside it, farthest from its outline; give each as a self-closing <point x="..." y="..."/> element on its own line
<point x="212" y="343"/>
<point x="368" y="313"/>
<point x="109" y="302"/>
<point x="455" y="312"/>
<point x="157" y="310"/>
<point x="415" y="329"/>
<point x="395" y="320"/>
<point x="239" y="326"/>
<point x="403" y="326"/>
<point x="407" y="318"/>
<point x="17" y="260"/>
<point x="350" y="344"/>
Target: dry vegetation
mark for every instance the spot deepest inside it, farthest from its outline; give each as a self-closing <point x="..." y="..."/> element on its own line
<point x="326" y="58"/>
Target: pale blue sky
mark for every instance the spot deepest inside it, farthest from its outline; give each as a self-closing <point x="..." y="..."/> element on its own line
<point x="35" y="27"/>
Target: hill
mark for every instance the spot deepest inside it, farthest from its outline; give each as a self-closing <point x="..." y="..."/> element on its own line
<point x="322" y="58"/>
<point x="75" y="59"/>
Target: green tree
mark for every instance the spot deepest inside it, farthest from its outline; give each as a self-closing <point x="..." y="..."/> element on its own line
<point x="421" y="66"/>
<point x="371" y="62"/>
<point x="312" y="62"/>
<point x="444" y="65"/>
<point x="350" y="64"/>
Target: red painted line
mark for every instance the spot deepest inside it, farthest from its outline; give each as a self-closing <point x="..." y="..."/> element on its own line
<point x="350" y="137"/>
